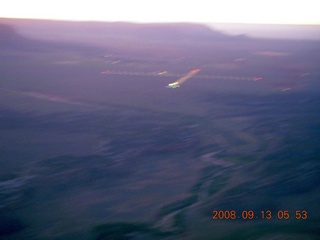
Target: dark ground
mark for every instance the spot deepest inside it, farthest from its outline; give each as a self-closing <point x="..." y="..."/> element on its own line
<point x="85" y="155"/>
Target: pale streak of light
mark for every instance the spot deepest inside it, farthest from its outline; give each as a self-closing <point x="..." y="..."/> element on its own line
<point x="189" y="75"/>
<point x="183" y="79"/>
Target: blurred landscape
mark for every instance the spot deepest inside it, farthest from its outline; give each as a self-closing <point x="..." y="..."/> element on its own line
<point x="85" y="154"/>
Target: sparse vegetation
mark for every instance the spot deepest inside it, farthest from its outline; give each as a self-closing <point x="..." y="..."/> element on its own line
<point x="125" y="230"/>
<point x="217" y="184"/>
<point x="179" y="222"/>
<point x="178" y="205"/>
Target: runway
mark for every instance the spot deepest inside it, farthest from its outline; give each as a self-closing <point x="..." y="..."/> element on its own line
<point x="178" y="75"/>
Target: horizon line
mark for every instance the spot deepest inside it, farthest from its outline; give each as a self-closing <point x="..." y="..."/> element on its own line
<point x="154" y="22"/>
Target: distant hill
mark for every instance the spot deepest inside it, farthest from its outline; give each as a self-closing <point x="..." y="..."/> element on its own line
<point x="166" y="31"/>
<point x="81" y="31"/>
<point x="132" y="41"/>
<point x="125" y="40"/>
<point x="10" y="40"/>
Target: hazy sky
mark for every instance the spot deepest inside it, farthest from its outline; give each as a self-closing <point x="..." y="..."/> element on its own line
<point x="205" y="11"/>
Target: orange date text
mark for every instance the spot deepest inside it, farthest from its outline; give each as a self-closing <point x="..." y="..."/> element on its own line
<point x="264" y="214"/>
